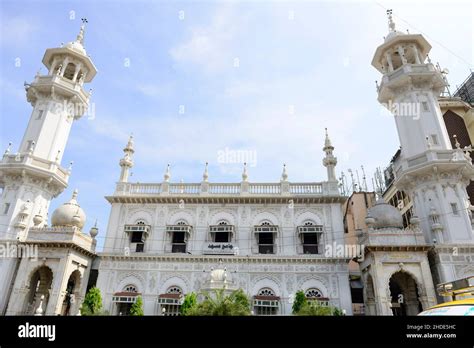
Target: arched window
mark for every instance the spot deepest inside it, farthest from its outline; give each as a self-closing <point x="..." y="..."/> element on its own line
<point x="266" y="232"/>
<point x="266" y="303"/>
<point x="266" y="292"/>
<point x="174" y="290"/>
<point x="130" y="288"/>
<point x="69" y="72"/>
<point x="313" y="293"/>
<point x="310" y="235"/>
<point x="179" y="236"/>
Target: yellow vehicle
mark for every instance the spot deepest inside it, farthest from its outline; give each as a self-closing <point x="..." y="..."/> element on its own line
<point x="462" y="293"/>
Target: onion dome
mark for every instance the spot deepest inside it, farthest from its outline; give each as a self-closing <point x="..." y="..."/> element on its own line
<point x="69" y="214"/>
<point x="384" y="215"/>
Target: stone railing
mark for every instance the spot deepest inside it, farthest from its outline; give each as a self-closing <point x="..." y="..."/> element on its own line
<point x="227" y="189"/>
<point x="63" y="82"/>
<point x="13" y="160"/>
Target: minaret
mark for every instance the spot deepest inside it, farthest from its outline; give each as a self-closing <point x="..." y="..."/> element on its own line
<point x="428" y="169"/>
<point x="127" y="161"/>
<point x="329" y="161"/>
<point x="33" y="175"/>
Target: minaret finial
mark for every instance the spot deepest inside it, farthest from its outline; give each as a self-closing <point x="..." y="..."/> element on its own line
<point x="74" y="193"/>
<point x="127" y="161"/>
<point x="167" y="175"/>
<point x="284" y="174"/>
<point x="391" y="23"/>
<point x="205" y="175"/>
<point x="329" y="161"/>
<point x="80" y="36"/>
<point x="245" y="175"/>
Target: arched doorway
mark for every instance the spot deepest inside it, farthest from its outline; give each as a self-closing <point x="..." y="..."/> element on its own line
<point x="404" y="294"/>
<point x="72" y="293"/>
<point x="40" y="284"/>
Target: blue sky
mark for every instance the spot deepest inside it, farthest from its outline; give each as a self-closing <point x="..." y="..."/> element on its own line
<point x="303" y="66"/>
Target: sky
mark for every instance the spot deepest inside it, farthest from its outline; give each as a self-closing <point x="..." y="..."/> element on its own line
<point x="198" y="79"/>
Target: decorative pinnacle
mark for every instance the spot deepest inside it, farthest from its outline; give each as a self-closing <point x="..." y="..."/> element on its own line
<point x="284" y="174"/>
<point x="245" y="175"/>
<point x="80" y="36"/>
<point x="205" y="176"/>
<point x="74" y="193"/>
<point x="391" y="23"/>
<point x="456" y="142"/>
<point x="167" y="175"/>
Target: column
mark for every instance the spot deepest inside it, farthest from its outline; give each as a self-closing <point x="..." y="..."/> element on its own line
<point x="389" y="61"/>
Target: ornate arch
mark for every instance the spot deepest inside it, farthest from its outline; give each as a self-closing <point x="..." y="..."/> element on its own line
<point x="309" y="215"/>
<point x="185" y="215"/>
<point x="419" y="284"/>
<point x="226" y="214"/>
<point x="144" y="215"/>
<point x="178" y="280"/>
<point x="314" y="281"/>
<point x="266" y="281"/>
<point x="131" y="278"/>
<point x="265" y="216"/>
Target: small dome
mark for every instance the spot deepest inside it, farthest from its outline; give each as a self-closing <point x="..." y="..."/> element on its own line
<point x="69" y="214"/>
<point x="385" y="215"/>
<point x="393" y="34"/>
<point x="76" y="46"/>
<point x="220" y="275"/>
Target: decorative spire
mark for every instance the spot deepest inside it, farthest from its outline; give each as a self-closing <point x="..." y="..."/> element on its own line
<point x="205" y="176"/>
<point x="7" y="151"/>
<point x="245" y="175"/>
<point x="127" y="161"/>
<point x="74" y="194"/>
<point x="391" y="23"/>
<point x="284" y="174"/>
<point x="167" y="175"/>
<point x="80" y="36"/>
<point x="94" y="231"/>
<point x="329" y="161"/>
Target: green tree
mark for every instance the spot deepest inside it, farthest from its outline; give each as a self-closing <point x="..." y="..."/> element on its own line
<point x="189" y="302"/>
<point x="137" y="307"/>
<point x="299" y="302"/>
<point x="92" y="304"/>
<point x="314" y="308"/>
<point x="218" y="303"/>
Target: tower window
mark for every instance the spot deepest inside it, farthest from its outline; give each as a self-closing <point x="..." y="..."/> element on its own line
<point x="69" y="72"/>
<point x="434" y="139"/>
<point x="39" y="115"/>
<point x="424" y="105"/>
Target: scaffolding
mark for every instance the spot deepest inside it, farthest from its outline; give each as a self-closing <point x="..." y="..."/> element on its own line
<point x="466" y="90"/>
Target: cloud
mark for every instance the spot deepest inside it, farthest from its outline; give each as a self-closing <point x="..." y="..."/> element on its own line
<point x="18" y="31"/>
<point x="208" y="46"/>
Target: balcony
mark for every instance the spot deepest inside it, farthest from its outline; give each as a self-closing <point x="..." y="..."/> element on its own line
<point x="16" y="163"/>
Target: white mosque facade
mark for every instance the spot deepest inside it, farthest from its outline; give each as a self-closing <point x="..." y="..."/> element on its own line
<point x="167" y="239"/>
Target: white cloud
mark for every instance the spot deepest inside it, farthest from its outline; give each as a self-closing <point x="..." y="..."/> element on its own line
<point x="18" y="31"/>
